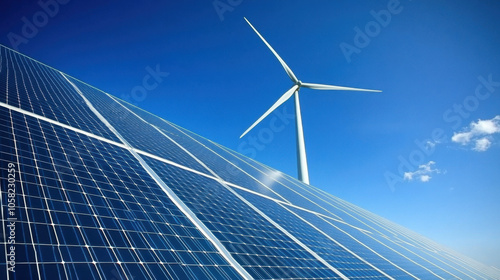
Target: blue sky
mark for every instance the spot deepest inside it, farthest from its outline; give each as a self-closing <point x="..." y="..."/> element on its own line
<point x="437" y="63"/>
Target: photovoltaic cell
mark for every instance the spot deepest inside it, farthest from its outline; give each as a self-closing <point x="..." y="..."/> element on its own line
<point x="36" y="88"/>
<point x="264" y="251"/>
<point x="360" y="242"/>
<point x="138" y="133"/>
<point x="89" y="209"/>
<point x="224" y="167"/>
<point x="356" y="216"/>
<point x="231" y="168"/>
<point x="324" y="245"/>
<point x="273" y="179"/>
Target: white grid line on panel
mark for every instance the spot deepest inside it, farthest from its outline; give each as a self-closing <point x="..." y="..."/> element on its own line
<point x="245" y="189"/>
<point x="44" y="195"/>
<point x="64" y="191"/>
<point x="24" y="200"/>
<point x="389" y="226"/>
<point x="22" y="189"/>
<point x="417" y="239"/>
<point x="15" y="80"/>
<point x="116" y="216"/>
<point x="35" y="92"/>
<point x="347" y="249"/>
<point x="6" y="75"/>
<point x="178" y="202"/>
<point x="100" y="138"/>
<point x="285" y="186"/>
<point x="393" y="251"/>
<point x="339" y="244"/>
<point x="347" y="214"/>
<point x="232" y="164"/>
<point x="126" y="146"/>
<point x="222" y="182"/>
<point x="268" y="168"/>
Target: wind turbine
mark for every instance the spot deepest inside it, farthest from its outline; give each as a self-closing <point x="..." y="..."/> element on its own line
<point x="303" y="172"/>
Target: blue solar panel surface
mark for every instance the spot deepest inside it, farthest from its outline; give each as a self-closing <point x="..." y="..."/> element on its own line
<point x="101" y="189"/>
<point x="39" y="89"/>
<point x="138" y="133"/>
<point x="349" y="264"/>
<point x="89" y="208"/>
<point x="260" y="247"/>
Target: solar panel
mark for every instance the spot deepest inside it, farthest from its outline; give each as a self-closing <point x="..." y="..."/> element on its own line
<point x="93" y="187"/>
<point x="41" y="90"/>
<point x="90" y="209"/>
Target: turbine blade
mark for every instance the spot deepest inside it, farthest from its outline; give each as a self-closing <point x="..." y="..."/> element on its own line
<point x="280" y="101"/>
<point x="287" y="69"/>
<point x="329" y="87"/>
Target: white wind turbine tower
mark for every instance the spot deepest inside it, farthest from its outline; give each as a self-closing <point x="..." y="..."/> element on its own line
<point x="303" y="172"/>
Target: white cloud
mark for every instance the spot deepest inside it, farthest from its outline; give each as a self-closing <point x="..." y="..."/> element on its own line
<point x="422" y="173"/>
<point x="482" y="144"/>
<point x="462" y="137"/>
<point x="479" y="133"/>
<point x="487" y="126"/>
<point x="425" y="178"/>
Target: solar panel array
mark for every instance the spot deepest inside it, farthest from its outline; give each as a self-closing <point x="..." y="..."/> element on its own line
<point x="95" y="188"/>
